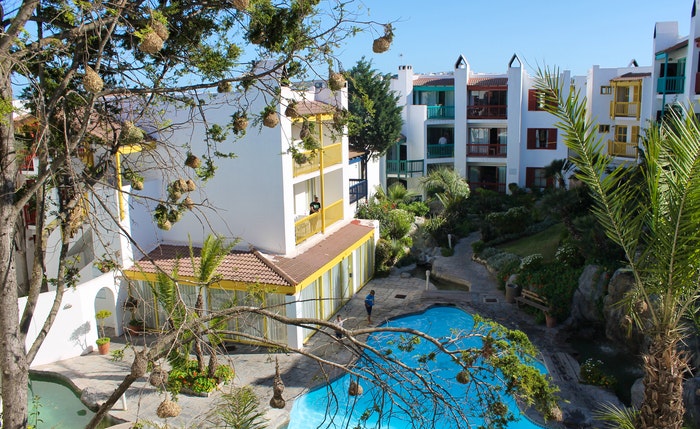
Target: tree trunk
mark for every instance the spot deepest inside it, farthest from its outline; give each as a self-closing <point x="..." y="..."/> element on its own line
<point x="13" y="361"/>
<point x="664" y="367"/>
<point x="198" y="308"/>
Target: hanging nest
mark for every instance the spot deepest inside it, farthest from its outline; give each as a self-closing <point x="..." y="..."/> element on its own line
<point x="140" y="365"/>
<point x="336" y="81"/>
<point x="167" y="409"/>
<point x="131" y="134"/>
<point x="188" y="203"/>
<point x="180" y="185"/>
<point x="240" y="123"/>
<point x="381" y="44"/>
<point x="355" y="389"/>
<point x="165" y="225"/>
<point x="160" y="29"/>
<point x="158" y="377"/>
<point x="270" y="119"/>
<point x="174" y="195"/>
<point x="463" y="377"/>
<point x="191" y="186"/>
<point x="305" y="131"/>
<point x="291" y="110"/>
<point x="240" y="4"/>
<point x="223" y="87"/>
<point x="151" y="43"/>
<point x="174" y="216"/>
<point x="193" y="161"/>
<point x="92" y="82"/>
<point x="137" y="185"/>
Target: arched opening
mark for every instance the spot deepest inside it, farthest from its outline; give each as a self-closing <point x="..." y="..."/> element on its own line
<point x="105" y="300"/>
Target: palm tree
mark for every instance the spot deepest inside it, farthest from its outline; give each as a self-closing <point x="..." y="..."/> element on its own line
<point x="447" y="186"/>
<point x="557" y="170"/>
<point x="654" y="220"/>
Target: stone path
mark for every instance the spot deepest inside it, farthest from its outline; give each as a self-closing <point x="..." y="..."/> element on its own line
<point x="396" y="295"/>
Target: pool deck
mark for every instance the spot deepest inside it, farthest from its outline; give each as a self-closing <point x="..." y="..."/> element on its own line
<point x="398" y="294"/>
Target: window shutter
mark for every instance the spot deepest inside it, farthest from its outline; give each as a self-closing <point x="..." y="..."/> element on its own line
<point x="529" y="177"/>
<point x="531" y="132"/>
<point x="635" y="134"/>
<point x="552" y="138"/>
<point x="532" y="100"/>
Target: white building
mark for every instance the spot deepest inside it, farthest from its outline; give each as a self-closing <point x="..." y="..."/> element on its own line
<point x="301" y="264"/>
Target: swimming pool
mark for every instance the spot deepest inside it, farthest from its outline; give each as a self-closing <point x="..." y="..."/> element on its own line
<point x="332" y="407"/>
<point x="59" y="406"/>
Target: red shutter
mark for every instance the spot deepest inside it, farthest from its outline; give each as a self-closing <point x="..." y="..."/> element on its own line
<point x="552" y="138"/>
<point x="531" y="136"/>
<point x="529" y="177"/>
<point x="532" y="99"/>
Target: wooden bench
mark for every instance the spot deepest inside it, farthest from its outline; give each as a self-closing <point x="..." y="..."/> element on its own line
<point x="533" y="300"/>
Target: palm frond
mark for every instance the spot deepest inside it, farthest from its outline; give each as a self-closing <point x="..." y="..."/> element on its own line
<point x="616" y="417"/>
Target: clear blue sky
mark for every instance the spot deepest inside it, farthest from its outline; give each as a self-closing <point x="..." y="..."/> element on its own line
<point x="570" y="34"/>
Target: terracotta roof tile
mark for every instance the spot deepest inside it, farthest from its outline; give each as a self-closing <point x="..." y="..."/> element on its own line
<point x="305" y="264"/>
<point x="309" y="107"/>
<point x="488" y="81"/>
<point x="254" y="267"/>
<point x="434" y="81"/>
<point x="630" y="76"/>
<point x="239" y="266"/>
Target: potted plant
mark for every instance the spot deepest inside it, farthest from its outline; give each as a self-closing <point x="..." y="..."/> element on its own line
<point x="103" y="341"/>
<point x="136" y="326"/>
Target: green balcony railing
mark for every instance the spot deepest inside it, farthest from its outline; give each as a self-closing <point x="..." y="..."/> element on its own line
<point x="404" y="167"/>
<point x="441" y="112"/>
<point x="441" y="151"/>
<point x="670" y="85"/>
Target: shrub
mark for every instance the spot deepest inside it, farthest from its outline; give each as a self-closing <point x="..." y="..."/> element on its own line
<point x="478" y="247"/>
<point x="531" y="262"/>
<point x="489" y="252"/>
<point x="592" y="373"/>
<point x="447" y="251"/>
<point x="396" y="224"/>
<point x="569" y="254"/>
<point x="417" y="208"/>
<point x="513" y="220"/>
<point x="188" y="376"/>
<point x="502" y="260"/>
<point x="511" y="266"/>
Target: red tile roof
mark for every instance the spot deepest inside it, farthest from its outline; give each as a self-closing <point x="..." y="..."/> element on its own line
<point x="309" y="107"/>
<point x="253" y="266"/>
<point x="488" y="81"/>
<point x="679" y="45"/>
<point x="630" y="76"/>
<point x="434" y="81"/>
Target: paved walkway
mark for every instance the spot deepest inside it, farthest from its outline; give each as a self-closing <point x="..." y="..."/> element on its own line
<point x="398" y="294"/>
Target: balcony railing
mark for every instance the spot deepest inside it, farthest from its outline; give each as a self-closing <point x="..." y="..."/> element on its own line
<point x="404" y="167"/>
<point x="487" y="112"/>
<point x="332" y="155"/>
<point x="441" y="112"/>
<point x="492" y="186"/>
<point x="312" y="224"/>
<point x="670" y="85"/>
<point x="480" y="149"/>
<point x="622" y="149"/>
<point x="358" y="189"/>
<point x="441" y="151"/>
<point x="620" y="109"/>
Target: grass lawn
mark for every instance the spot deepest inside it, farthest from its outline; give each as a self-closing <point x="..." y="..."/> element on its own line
<point x="545" y="242"/>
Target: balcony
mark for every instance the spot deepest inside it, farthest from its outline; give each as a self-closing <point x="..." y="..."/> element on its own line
<point x="498" y="150"/>
<point x="670" y="85"/>
<point x="620" y="109"/>
<point x="404" y="167"/>
<point x="314" y="223"/>
<point x="487" y="111"/>
<point x="358" y="190"/>
<point x="441" y="151"/>
<point x="622" y="149"/>
<point x="441" y="112"/>
<point x="331" y="155"/>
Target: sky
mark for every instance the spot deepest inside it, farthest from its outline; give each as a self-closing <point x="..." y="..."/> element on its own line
<point x="569" y="34"/>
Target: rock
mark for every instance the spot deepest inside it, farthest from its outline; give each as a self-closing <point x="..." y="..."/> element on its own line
<point x="585" y="307"/>
<point x="691" y="398"/>
<point x="91" y="398"/>
<point x="637" y="393"/>
<point x="405" y="275"/>
<point x="618" y="327"/>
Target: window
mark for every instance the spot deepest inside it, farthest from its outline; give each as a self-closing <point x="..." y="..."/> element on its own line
<point x="542" y="138"/>
<point x="604" y="128"/>
<point x="621" y="133"/>
<point x="535" y="100"/>
<point x="606" y="90"/>
<point x="537" y="178"/>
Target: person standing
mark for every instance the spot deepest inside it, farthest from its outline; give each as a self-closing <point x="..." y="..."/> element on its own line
<point x="315" y="206"/>
<point x="339" y="323"/>
<point x="369" y="303"/>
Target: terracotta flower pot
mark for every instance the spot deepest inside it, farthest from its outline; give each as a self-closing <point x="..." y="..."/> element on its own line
<point x="103" y="348"/>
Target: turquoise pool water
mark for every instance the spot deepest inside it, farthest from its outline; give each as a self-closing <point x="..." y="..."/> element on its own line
<point x="60" y="406"/>
<point x="331" y="406"/>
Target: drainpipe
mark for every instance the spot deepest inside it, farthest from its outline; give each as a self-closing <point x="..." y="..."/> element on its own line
<point x="322" y="213"/>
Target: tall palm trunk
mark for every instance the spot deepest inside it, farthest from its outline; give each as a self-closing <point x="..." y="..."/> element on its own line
<point x="664" y="367"/>
<point x="199" y="309"/>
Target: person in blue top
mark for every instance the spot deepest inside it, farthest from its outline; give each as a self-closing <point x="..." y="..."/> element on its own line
<point x="369" y="303"/>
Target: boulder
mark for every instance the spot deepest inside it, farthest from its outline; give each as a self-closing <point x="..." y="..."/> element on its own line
<point x="618" y="325"/>
<point x="586" y="306"/>
<point x="691" y="399"/>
